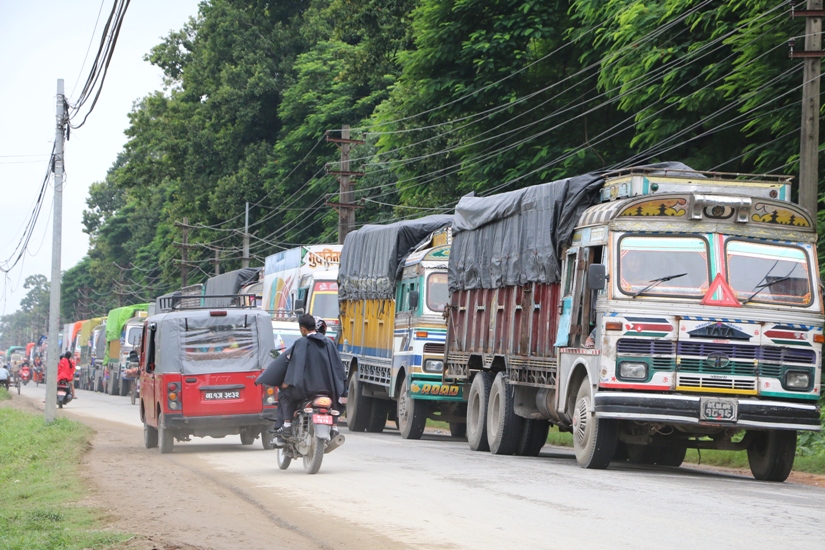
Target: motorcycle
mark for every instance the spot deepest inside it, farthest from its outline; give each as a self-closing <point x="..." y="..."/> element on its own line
<point x="37" y="375"/>
<point x="312" y="435"/>
<point x="64" y="395"/>
<point x="25" y="375"/>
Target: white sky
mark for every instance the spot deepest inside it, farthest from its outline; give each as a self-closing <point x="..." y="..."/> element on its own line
<point x="41" y="41"/>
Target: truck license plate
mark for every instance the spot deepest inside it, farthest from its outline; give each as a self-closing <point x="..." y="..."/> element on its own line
<point x="221" y="395"/>
<point x="719" y="409"/>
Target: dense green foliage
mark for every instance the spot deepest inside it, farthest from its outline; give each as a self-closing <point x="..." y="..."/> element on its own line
<point x="31" y="321"/>
<point x="39" y="485"/>
<point x="450" y="96"/>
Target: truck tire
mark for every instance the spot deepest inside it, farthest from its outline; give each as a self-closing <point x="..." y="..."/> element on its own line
<point x="150" y="436"/>
<point x="671" y="456"/>
<point x="504" y="426"/>
<point x="378" y="415"/>
<point x="248" y="437"/>
<point x="412" y="413"/>
<point x="771" y="455"/>
<point x="533" y="437"/>
<point x="458" y="429"/>
<point x="477" y="401"/>
<point x="594" y="439"/>
<point x="166" y="439"/>
<point x="359" y="407"/>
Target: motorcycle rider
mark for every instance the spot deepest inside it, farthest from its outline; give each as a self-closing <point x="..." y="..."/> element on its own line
<point x="314" y="367"/>
<point x="65" y="371"/>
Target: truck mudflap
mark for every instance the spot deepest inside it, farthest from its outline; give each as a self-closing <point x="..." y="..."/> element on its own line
<point x="436" y="390"/>
<point x="684" y="409"/>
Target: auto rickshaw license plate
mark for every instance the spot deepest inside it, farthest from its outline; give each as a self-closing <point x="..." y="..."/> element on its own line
<point x="720" y="409"/>
<point x="210" y="395"/>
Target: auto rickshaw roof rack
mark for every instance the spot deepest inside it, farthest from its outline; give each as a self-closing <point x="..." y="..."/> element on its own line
<point x="681" y="173"/>
<point x="178" y="302"/>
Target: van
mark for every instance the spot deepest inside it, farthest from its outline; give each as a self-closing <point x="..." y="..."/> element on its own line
<point x="198" y="367"/>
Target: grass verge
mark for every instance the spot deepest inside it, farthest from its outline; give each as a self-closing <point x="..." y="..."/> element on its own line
<point x="39" y="487"/>
<point x="4" y="395"/>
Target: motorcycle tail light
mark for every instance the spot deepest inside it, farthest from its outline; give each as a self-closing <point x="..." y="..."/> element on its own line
<point x="333" y="412"/>
<point x="323" y="402"/>
<point x="308" y="410"/>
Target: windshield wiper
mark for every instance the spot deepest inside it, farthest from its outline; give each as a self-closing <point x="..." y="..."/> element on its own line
<point x="654" y="282"/>
<point x="763" y="286"/>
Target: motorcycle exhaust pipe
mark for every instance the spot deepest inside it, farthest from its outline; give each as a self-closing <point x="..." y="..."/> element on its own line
<point x="334" y="443"/>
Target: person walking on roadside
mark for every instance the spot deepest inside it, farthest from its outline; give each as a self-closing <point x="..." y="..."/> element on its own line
<point x="4" y="376"/>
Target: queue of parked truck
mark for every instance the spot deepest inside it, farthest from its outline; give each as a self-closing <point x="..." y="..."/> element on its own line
<point x="646" y="311"/>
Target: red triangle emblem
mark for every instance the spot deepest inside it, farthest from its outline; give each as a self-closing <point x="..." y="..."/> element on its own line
<point x="728" y="298"/>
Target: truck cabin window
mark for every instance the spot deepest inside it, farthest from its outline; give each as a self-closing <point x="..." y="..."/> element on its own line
<point x="768" y="273"/>
<point x="325" y="300"/>
<point x="437" y="292"/>
<point x="133" y="335"/>
<point x="663" y="266"/>
<point x="218" y="342"/>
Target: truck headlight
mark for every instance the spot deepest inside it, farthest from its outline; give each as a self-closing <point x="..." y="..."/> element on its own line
<point x="433" y="365"/>
<point x="631" y="370"/>
<point x="797" y="380"/>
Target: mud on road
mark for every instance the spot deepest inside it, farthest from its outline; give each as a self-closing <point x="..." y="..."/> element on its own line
<point x="179" y="502"/>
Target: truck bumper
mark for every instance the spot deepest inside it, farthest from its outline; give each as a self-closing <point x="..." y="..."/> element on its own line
<point x="435" y="390"/>
<point x="684" y="409"/>
<point x="219" y="423"/>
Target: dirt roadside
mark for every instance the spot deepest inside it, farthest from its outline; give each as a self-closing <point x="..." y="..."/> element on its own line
<point x="182" y="503"/>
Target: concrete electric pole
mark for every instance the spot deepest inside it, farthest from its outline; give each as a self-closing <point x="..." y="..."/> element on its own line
<point x="809" y="139"/>
<point x="245" y="259"/>
<point x="57" y="226"/>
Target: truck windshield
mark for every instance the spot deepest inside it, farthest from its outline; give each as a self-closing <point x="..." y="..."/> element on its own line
<point x="768" y="272"/>
<point x="437" y="292"/>
<point x="285" y="338"/>
<point x="645" y="259"/>
<point x="324" y="300"/>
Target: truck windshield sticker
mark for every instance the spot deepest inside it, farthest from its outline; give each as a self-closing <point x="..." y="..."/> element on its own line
<point x="768" y="272"/>
<point x="437" y="293"/>
<point x="643" y="259"/>
<point x="218" y="342"/>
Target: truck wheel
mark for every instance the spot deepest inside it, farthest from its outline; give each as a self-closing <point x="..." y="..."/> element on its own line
<point x="477" y="401"/>
<point x="166" y="440"/>
<point x="150" y="436"/>
<point x="771" y="455"/>
<point x="412" y="413"/>
<point x="378" y="416"/>
<point x="247" y="437"/>
<point x="504" y="426"/>
<point x="594" y="439"/>
<point x="359" y="407"/>
<point x="458" y="429"/>
<point x="533" y="437"/>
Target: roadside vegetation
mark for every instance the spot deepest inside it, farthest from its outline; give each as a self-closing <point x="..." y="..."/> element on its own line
<point x="39" y="485"/>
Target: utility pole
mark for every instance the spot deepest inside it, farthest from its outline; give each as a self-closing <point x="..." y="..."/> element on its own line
<point x="245" y="259"/>
<point x="184" y="252"/>
<point x="346" y="193"/>
<point x="54" y="286"/>
<point x="217" y="262"/>
<point x="809" y="139"/>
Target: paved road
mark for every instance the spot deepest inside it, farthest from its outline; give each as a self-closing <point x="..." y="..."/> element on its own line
<point x="436" y="493"/>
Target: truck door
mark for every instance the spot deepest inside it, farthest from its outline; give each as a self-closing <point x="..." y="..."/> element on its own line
<point x="568" y="284"/>
<point x="148" y="382"/>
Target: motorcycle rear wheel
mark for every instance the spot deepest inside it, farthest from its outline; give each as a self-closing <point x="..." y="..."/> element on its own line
<point x="313" y="459"/>
<point x="283" y="458"/>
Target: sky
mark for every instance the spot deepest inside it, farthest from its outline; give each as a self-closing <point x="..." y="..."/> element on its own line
<point x="41" y="41"/>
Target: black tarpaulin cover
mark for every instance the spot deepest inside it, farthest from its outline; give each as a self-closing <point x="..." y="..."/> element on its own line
<point x="372" y="256"/>
<point x="228" y="283"/>
<point x="517" y="237"/>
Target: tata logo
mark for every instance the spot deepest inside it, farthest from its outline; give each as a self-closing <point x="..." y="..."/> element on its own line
<point x="717" y="360"/>
<point x="719" y="331"/>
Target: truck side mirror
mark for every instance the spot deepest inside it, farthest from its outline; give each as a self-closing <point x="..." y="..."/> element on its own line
<point x="413" y="300"/>
<point x="596" y="276"/>
<point x="300" y="304"/>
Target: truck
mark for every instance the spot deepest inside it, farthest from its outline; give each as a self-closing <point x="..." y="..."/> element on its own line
<point x="85" y="373"/>
<point x="647" y="311"/>
<point x="97" y="346"/>
<point x="124" y="326"/>
<point x="297" y="280"/>
<point x="392" y="287"/>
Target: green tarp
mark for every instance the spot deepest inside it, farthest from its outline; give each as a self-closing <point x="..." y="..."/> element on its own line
<point x="116" y="320"/>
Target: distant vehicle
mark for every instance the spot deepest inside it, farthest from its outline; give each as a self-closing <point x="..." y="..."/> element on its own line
<point x="198" y="367"/>
<point x="123" y="330"/>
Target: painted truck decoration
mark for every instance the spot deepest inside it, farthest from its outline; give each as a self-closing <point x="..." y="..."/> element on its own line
<point x="701" y="297"/>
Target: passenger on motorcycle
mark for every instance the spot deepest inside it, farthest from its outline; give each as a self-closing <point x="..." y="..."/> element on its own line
<point x="65" y="371"/>
<point x="313" y="367"/>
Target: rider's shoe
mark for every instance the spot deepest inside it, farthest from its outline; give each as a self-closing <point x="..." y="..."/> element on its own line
<point x="282" y="432"/>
